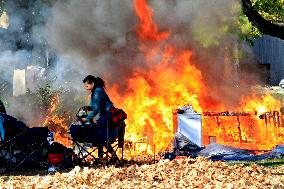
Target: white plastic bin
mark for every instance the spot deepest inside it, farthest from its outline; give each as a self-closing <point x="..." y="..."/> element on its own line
<point x="190" y="125"/>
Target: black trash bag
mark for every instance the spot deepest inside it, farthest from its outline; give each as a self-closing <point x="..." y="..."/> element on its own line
<point x="184" y="147"/>
<point x="181" y="142"/>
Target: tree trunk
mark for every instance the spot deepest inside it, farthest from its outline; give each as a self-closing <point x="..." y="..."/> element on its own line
<point x="264" y="26"/>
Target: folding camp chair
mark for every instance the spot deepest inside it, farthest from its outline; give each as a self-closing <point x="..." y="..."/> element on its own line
<point x="23" y="147"/>
<point x="110" y="137"/>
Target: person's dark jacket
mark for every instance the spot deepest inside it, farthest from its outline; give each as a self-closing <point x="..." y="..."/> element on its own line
<point x="100" y="103"/>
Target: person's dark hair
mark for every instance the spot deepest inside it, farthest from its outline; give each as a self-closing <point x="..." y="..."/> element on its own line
<point x="98" y="82"/>
<point x="89" y="79"/>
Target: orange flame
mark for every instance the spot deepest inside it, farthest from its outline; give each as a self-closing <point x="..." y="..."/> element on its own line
<point x="57" y="124"/>
<point x="261" y="104"/>
<point x="174" y="81"/>
<point x="147" y="29"/>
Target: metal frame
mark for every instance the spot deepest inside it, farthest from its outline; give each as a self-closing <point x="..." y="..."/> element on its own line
<point x="10" y="147"/>
<point x="114" y="147"/>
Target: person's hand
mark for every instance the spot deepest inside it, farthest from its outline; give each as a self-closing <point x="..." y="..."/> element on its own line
<point x="94" y="120"/>
<point x="83" y="119"/>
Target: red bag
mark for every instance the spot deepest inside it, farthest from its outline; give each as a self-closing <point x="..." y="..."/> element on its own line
<point x="118" y="115"/>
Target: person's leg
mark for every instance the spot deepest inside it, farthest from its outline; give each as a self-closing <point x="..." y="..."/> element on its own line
<point x="101" y="133"/>
<point x="104" y="119"/>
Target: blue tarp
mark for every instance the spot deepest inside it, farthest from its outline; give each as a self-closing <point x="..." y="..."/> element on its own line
<point x="227" y="153"/>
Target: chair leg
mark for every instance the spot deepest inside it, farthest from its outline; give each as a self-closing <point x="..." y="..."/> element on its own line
<point x="100" y="151"/>
<point x="10" y="157"/>
<point x="107" y="143"/>
<point x="82" y="150"/>
<point x="122" y="152"/>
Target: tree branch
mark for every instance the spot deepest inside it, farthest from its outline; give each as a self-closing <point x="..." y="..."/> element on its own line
<point x="264" y="26"/>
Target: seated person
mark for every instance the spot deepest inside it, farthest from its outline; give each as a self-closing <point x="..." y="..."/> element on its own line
<point x="98" y="116"/>
<point x="100" y="103"/>
<point x="99" y="112"/>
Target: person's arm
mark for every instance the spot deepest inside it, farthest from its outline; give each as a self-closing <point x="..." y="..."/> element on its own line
<point x="96" y="99"/>
<point x="2" y="130"/>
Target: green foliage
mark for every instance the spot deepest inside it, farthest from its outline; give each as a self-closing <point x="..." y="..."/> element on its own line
<point x="34" y="106"/>
<point x="231" y="23"/>
<point x="242" y="27"/>
<point x="246" y="31"/>
<point x="267" y="162"/>
<point x="2" y="6"/>
<point x="270" y="9"/>
<point x="207" y="37"/>
<point x="42" y="96"/>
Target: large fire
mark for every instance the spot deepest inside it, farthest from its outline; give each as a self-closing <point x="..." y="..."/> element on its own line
<point x="174" y="81"/>
<point x="153" y="96"/>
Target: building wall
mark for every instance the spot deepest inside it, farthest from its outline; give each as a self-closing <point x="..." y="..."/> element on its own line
<point x="270" y="50"/>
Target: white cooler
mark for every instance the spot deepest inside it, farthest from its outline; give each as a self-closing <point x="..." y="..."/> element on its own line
<point x="190" y="125"/>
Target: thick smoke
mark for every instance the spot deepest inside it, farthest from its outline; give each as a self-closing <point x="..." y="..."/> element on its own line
<point x="22" y="46"/>
<point x="11" y="60"/>
<point x="20" y="43"/>
<point x="96" y="34"/>
<point x="101" y="36"/>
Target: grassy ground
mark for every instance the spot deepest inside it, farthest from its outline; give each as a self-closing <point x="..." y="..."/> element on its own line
<point x="267" y="162"/>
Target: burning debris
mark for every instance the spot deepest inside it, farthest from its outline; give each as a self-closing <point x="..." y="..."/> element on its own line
<point x="175" y="79"/>
<point x="238" y="129"/>
<point x="164" y="73"/>
<point x="227" y="113"/>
